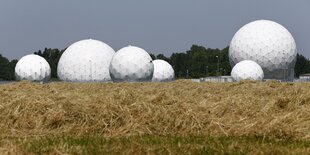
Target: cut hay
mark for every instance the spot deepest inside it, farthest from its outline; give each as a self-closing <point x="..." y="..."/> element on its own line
<point x="279" y="110"/>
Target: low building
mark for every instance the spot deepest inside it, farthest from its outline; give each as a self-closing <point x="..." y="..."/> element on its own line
<point x="217" y="79"/>
<point x="304" y="77"/>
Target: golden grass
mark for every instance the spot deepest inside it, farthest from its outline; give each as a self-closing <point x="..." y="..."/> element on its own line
<point x="271" y="109"/>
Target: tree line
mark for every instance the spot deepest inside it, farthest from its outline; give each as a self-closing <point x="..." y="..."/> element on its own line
<point x="198" y="61"/>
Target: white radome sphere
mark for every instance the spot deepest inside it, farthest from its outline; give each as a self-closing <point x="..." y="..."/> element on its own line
<point x="163" y="71"/>
<point x="131" y="64"/>
<point x="86" y="61"/>
<point x="33" y="68"/>
<point x="269" y="44"/>
<point x="247" y="70"/>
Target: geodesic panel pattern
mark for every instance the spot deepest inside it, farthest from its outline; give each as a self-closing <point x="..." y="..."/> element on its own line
<point x="163" y="71"/>
<point x="33" y="68"/>
<point x="131" y="64"/>
<point x="267" y="43"/>
<point x="86" y="61"/>
<point x="247" y="69"/>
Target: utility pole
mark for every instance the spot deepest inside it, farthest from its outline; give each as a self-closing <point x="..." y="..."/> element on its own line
<point x="218" y="66"/>
<point x="187" y="73"/>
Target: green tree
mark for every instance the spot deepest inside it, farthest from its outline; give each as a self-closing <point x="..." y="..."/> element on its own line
<point x="200" y="61"/>
<point x="152" y="56"/>
<point x="302" y="65"/>
<point x="163" y="57"/>
<point x="7" y="69"/>
<point x="11" y="69"/>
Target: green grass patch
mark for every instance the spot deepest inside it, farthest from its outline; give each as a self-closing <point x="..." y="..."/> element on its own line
<point x="165" y="145"/>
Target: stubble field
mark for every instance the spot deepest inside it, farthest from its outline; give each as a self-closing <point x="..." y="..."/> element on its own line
<point x="180" y="117"/>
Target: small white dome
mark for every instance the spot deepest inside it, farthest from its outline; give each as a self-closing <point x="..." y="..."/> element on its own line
<point x="247" y="70"/>
<point x="132" y="64"/>
<point x="33" y="68"/>
<point x="163" y="71"/>
<point x="86" y="61"/>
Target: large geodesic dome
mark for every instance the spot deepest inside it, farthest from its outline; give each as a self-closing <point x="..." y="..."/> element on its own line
<point x="33" y="68"/>
<point x="86" y="61"/>
<point x="163" y="71"/>
<point x="131" y="64"/>
<point x="267" y="43"/>
<point x="247" y="70"/>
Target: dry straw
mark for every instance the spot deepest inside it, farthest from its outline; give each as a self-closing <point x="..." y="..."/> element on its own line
<point x="182" y="107"/>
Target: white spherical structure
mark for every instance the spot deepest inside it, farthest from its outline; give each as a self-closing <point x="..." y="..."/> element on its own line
<point x="247" y="70"/>
<point x="267" y="43"/>
<point x="163" y="71"/>
<point x="33" y="68"/>
<point x="86" y="61"/>
<point x="131" y="64"/>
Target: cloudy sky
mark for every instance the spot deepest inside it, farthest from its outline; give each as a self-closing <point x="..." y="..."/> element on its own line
<point x="161" y="26"/>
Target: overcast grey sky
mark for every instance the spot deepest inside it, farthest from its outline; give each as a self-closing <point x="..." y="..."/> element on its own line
<point x="158" y="26"/>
